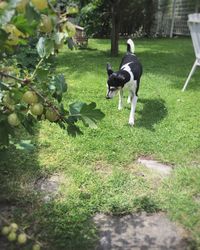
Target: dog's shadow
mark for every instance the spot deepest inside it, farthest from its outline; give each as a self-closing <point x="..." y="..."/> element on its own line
<point x="151" y="113"/>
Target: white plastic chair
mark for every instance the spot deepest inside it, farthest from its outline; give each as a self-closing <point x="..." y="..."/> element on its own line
<point x="194" y="26"/>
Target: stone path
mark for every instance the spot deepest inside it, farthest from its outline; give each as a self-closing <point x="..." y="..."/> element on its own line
<point x="139" y="232"/>
<point x="163" y="169"/>
<point x="48" y="187"/>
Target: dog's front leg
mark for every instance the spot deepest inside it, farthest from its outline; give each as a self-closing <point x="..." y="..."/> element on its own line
<point x="132" y="114"/>
<point x="120" y="105"/>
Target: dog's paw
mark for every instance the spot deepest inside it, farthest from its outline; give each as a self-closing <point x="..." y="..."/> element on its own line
<point x="131" y="123"/>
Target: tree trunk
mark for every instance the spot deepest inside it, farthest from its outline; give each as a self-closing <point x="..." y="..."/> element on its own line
<point x="115" y="32"/>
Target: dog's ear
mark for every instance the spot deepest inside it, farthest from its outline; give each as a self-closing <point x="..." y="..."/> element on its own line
<point x="109" y="69"/>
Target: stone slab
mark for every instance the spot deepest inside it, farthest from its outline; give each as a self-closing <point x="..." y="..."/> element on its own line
<point x="163" y="169"/>
<point x="139" y="232"/>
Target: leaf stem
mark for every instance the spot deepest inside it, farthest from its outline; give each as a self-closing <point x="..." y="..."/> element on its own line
<point x="36" y="68"/>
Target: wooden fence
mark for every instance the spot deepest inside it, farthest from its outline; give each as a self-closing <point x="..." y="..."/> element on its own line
<point x="172" y="15"/>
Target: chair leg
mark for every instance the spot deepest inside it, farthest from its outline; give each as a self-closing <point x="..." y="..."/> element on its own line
<point x="190" y="75"/>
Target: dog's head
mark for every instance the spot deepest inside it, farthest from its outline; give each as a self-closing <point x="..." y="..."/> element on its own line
<point x="115" y="82"/>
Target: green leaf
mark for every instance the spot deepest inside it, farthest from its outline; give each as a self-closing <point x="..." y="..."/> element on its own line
<point x="24" y="25"/>
<point x="73" y="130"/>
<point x="87" y="113"/>
<point x="13" y="3"/>
<point x="75" y="108"/>
<point x="70" y="43"/>
<point x="63" y="111"/>
<point x="42" y="74"/>
<point x="6" y="16"/>
<point x="25" y="145"/>
<point x="8" y="12"/>
<point x="72" y="10"/>
<point x="90" y="115"/>
<point x="58" y="86"/>
<point x="28" y="121"/>
<point x="45" y="47"/>
<point x="59" y="37"/>
<point x="41" y="47"/>
<point x="4" y="133"/>
<point x="4" y="36"/>
<point x="3" y="117"/>
<point x="4" y="86"/>
<point x="31" y="14"/>
<point x="49" y="47"/>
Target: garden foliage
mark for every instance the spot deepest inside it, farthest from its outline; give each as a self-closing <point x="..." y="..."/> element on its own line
<point x="32" y="32"/>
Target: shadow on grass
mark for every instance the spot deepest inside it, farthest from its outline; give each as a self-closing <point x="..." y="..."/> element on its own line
<point x="56" y="224"/>
<point x="194" y="83"/>
<point x="153" y="111"/>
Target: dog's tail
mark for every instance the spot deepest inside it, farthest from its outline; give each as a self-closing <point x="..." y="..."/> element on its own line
<point x="130" y="46"/>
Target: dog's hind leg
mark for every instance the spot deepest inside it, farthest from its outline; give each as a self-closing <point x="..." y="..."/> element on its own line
<point x="132" y="113"/>
<point x="120" y="105"/>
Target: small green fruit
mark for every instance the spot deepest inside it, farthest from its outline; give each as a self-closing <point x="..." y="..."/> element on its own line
<point x="7" y="100"/>
<point x="51" y="115"/>
<point x="12" y="236"/>
<point x="13" y="119"/>
<point x="46" y="24"/>
<point x="30" y="97"/>
<point x="5" y="230"/>
<point x="36" y="247"/>
<point x="13" y="227"/>
<point x="22" y="238"/>
<point x="40" y="5"/>
<point x="37" y="109"/>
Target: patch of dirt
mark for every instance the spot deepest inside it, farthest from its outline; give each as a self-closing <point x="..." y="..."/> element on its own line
<point x="140" y="231"/>
<point x="102" y="168"/>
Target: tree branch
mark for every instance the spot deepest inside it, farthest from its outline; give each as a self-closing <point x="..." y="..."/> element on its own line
<point x="10" y="76"/>
<point x="53" y="9"/>
<point x="21" y="231"/>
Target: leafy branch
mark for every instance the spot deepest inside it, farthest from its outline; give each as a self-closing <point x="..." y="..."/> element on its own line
<point x="22" y="102"/>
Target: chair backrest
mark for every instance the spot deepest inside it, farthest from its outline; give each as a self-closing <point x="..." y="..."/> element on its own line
<point x="194" y="26"/>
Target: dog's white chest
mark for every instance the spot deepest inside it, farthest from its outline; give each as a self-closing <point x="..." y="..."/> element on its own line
<point x="131" y="84"/>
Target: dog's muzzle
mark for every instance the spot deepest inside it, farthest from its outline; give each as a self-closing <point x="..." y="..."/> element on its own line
<point x="108" y="97"/>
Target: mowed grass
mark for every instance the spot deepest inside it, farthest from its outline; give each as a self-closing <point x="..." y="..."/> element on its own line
<point x="99" y="169"/>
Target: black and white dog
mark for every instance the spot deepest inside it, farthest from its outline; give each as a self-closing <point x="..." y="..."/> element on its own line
<point x="128" y="77"/>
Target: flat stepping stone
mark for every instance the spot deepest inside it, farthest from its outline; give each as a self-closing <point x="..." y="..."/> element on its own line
<point x="197" y="198"/>
<point x="163" y="169"/>
<point x="48" y="187"/>
<point x="139" y="232"/>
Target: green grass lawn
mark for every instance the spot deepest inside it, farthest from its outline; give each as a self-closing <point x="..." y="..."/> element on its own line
<point x="99" y="169"/>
